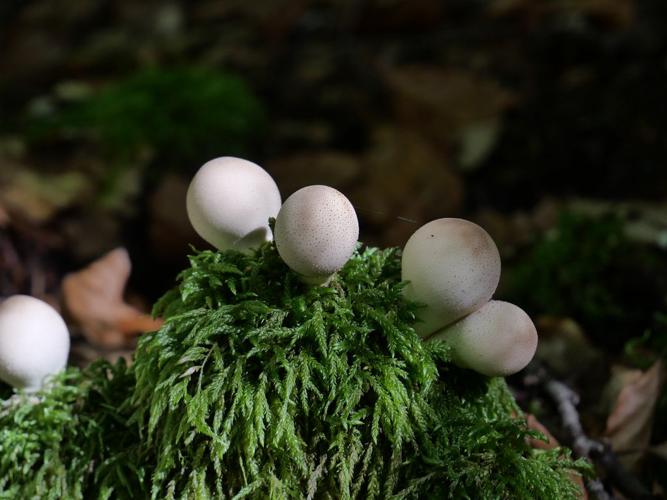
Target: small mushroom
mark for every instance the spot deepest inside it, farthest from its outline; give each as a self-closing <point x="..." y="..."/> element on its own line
<point x="34" y="342"/>
<point x="498" y="339"/>
<point x="316" y="231"/>
<point x="453" y="268"/>
<point x="230" y="201"/>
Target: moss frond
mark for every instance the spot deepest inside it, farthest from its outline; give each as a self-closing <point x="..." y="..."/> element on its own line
<point x="69" y="440"/>
<point x="38" y="456"/>
<point x="260" y="385"/>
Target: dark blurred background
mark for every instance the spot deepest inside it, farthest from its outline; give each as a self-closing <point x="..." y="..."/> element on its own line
<point x="542" y="120"/>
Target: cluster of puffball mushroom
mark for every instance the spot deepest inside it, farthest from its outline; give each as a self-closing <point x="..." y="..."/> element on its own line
<point x="452" y="266"/>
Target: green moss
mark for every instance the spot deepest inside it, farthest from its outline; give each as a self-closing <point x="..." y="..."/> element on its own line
<point x="564" y="272"/>
<point x="586" y="268"/>
<point x="38" y="458"/>
<point x="69" y="440"/>
<point x="259" y="386"/>
<point x="184" y="114"/>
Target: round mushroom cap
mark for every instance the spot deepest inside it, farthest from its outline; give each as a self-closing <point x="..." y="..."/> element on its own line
<point x="34" y="342"/>
<point x="229" y="203"/>
<point x="498" y="339"/>
<point x="316" y="231"/>
<point x="453" y="268"/>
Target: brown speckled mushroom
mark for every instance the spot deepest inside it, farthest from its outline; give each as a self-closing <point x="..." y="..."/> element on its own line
<point x="316" y="231"/>
<point x="230" y="201"/>
<point x="498" y="339"/>
<point x="453" y="267"/>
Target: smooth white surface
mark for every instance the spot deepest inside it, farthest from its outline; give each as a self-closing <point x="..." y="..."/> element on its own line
<point x="316" y="232"/>
<point x="34" y="342"/>
<point x="229" y="203"/>
<point x="498" y="339"/>
<point x="453" y="267"/>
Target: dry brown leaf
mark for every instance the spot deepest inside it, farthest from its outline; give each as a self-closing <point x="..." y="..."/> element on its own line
<point x="38" y="197"/>
<point x="630" y="421"/>
<point x="619" y="377"/>
<point x="329" y="167"/>
<point x="94" y="299"/>
<point x="438" y="103"/>
<point x="407" y="181"/>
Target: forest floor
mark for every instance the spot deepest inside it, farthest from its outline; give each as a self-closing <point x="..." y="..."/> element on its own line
<point x="543" y="121"/>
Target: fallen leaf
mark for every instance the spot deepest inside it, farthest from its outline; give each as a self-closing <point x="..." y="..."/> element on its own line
<point x="37" y="197"/>
<point x="94" y="300"/>
<point x="630" y="421"/>
<point x="437" y="103"/>
<point x="619" y="377"/>
<point x="406" y="181"/>
<point x="332" y="168"/>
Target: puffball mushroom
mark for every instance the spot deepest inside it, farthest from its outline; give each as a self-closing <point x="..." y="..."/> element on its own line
<point x="453" y="268"/>
<point x="34" y="342"/>
<point x="316" y="231"/>
<point x="229" y="203"/>
<point x="498" y="339"/>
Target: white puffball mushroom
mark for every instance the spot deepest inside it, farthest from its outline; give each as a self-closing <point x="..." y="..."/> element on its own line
<point x="316" y="231"/>
<point x="34" y="342"/>
<point x="453" y="267"/>
<point x="229" y="203"/>
<point x="498" y="339"/>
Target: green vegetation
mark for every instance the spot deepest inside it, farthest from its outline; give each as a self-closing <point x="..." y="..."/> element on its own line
<point x="184" y="115"/>
<point x="258" y="386"/>
<point x="565" y="273"/>
<point x="33" y="463"/>
<point x="69" y="441"/>
<point x="587" y="269"/>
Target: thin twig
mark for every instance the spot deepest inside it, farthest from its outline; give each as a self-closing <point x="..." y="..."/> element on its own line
<point x="566" y="401"/>
<point x="601" y="454"/>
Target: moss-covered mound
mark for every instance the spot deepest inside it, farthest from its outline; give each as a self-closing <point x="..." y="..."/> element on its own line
<point x="71" y="440"/>
<point x="258" y="386"/>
